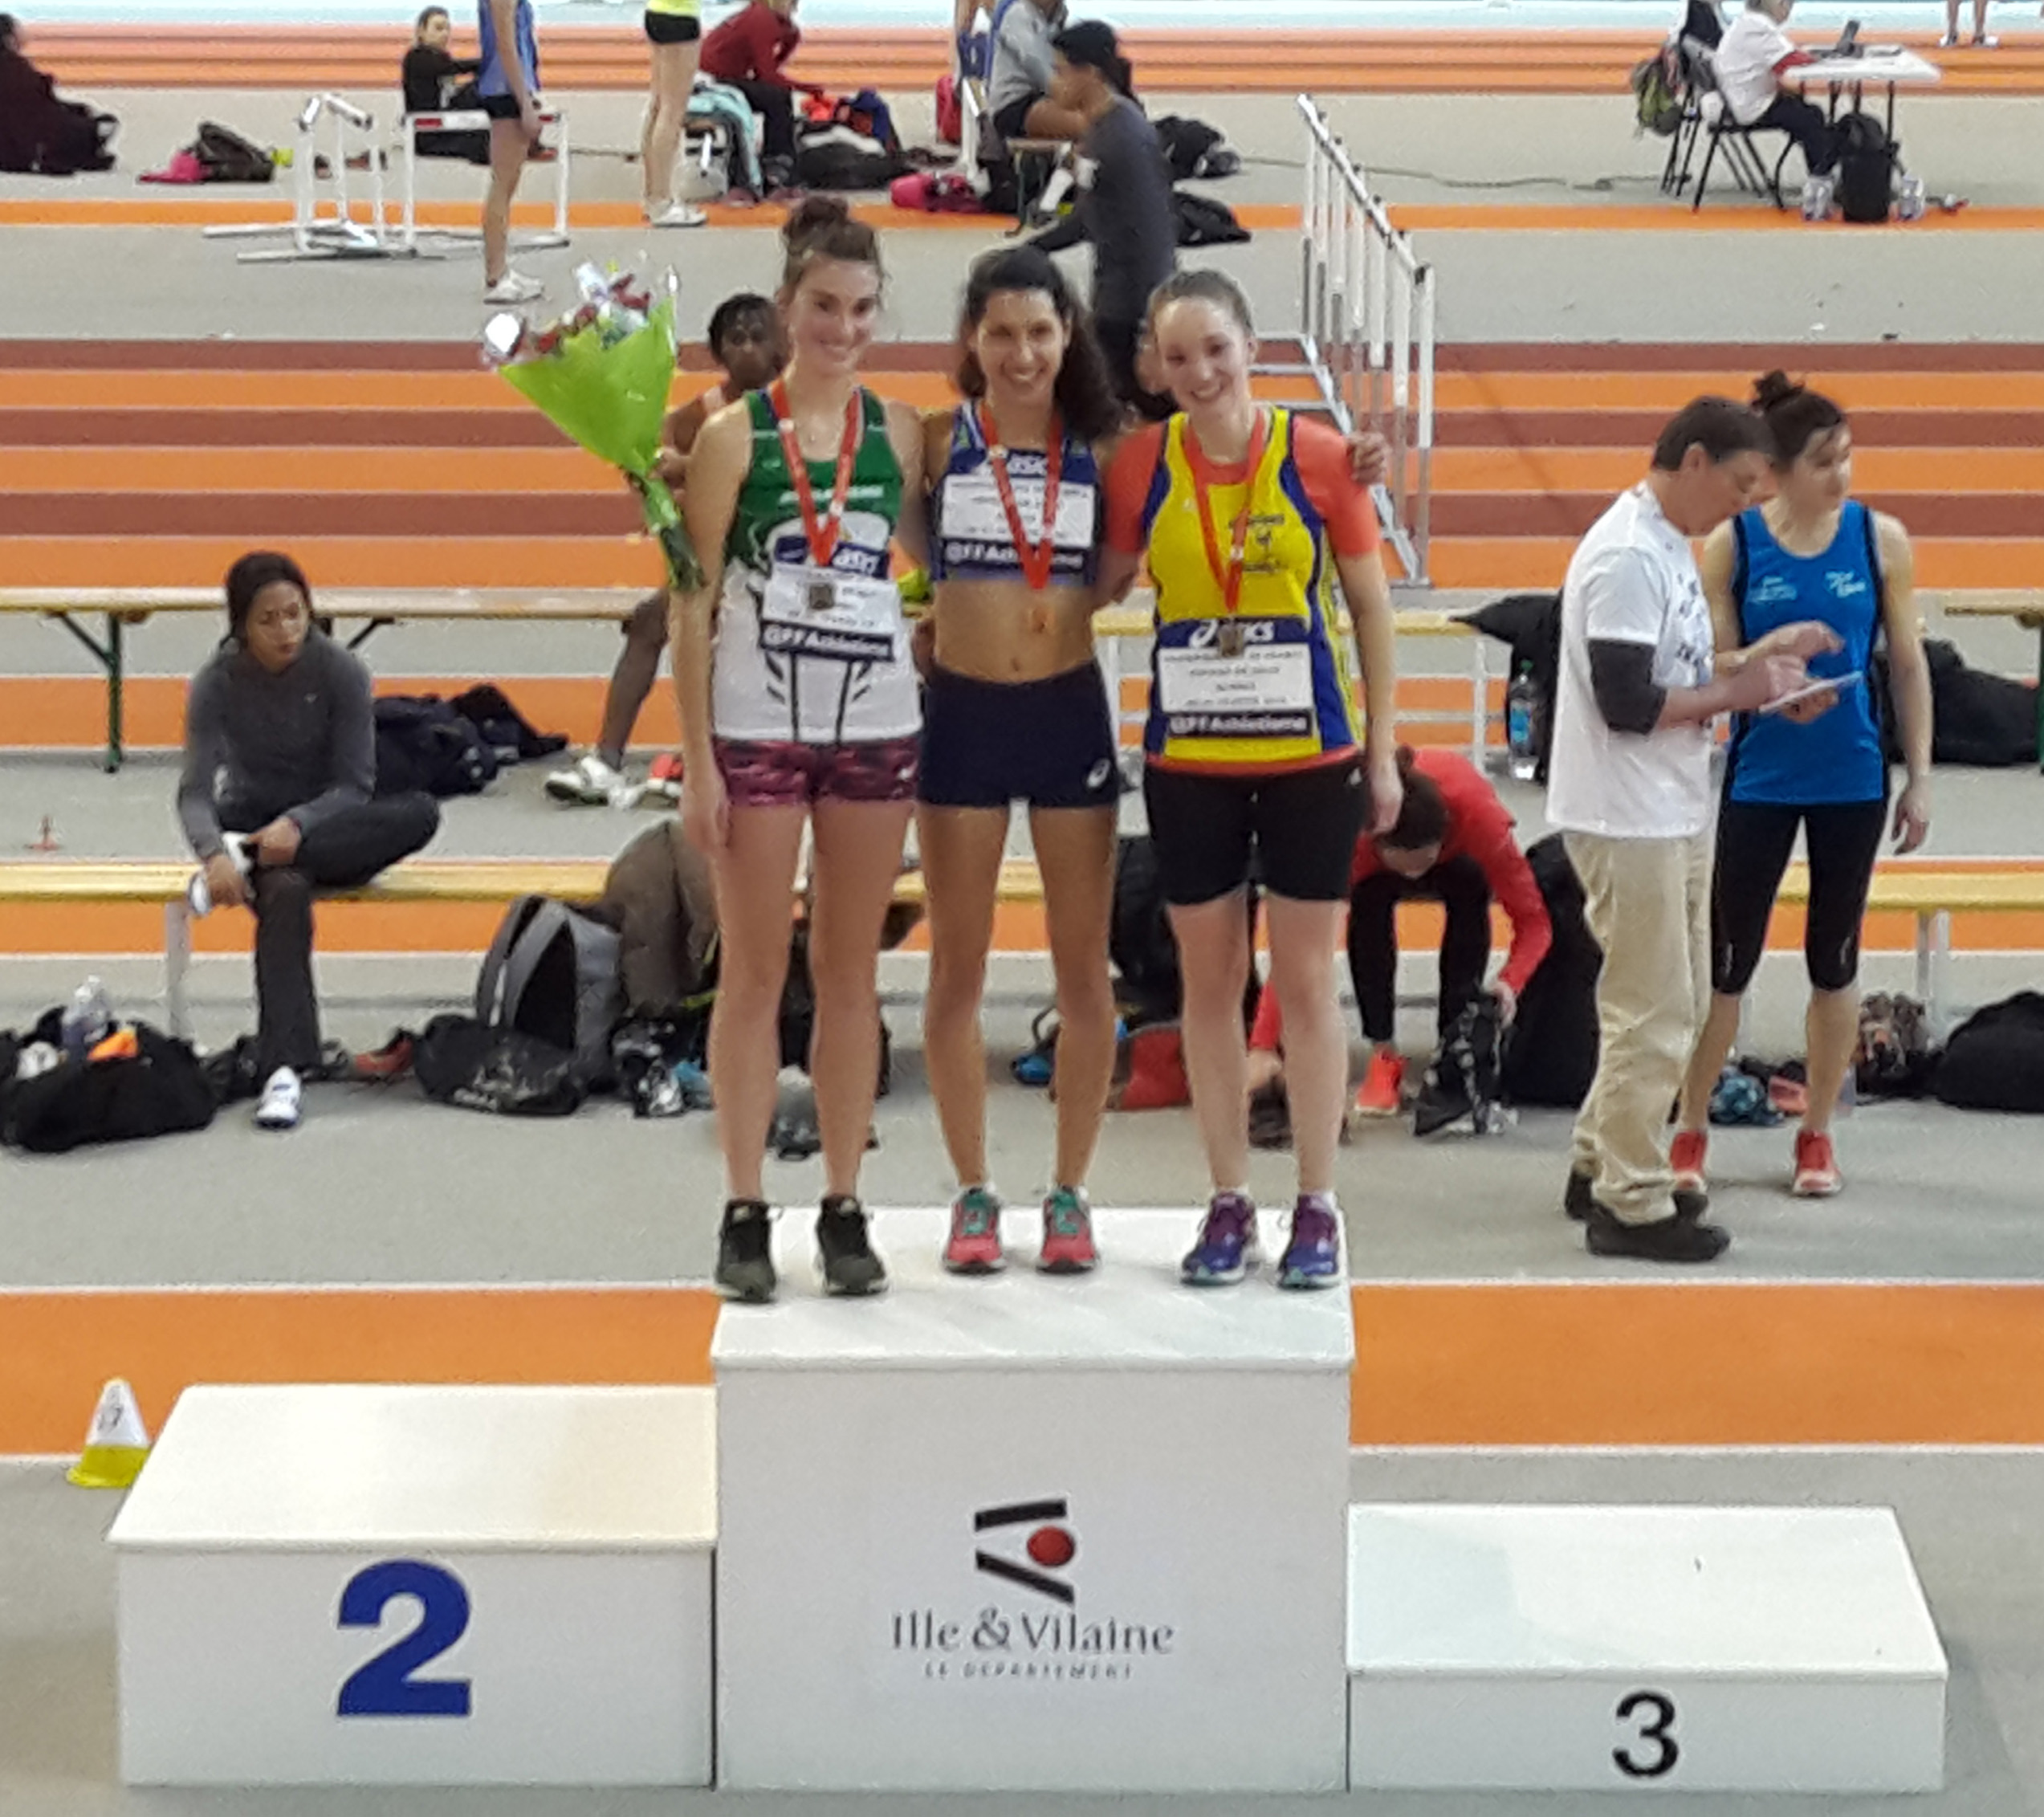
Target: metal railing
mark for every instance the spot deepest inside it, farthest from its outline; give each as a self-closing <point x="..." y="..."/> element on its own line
<point x="1366" y="325"/>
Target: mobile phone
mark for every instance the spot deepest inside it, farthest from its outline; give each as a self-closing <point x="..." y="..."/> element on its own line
<point x="1811" y="689"/>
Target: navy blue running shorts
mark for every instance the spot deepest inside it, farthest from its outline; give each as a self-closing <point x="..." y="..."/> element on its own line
<point x="1050" y="743"/>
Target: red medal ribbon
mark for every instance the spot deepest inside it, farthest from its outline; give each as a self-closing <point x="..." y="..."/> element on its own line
<point x="1229" y="579"/>
<point x="1035" y="557"/>
<point x="823" y="536"/>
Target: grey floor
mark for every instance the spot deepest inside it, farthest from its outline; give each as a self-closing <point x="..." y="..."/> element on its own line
<point x="1934" y="1194"/>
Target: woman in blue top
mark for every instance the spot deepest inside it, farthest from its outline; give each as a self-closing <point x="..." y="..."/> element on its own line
<point x="1811" y="552"/>
<point x="507" y="83"/>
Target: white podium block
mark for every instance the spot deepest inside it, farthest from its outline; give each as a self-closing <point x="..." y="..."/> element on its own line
<point x="1640" y="1649"/>
<point x="1032" y="1533"/>
<point x="442" y="1586"/>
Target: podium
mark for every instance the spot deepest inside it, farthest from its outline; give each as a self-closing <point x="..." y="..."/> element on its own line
<point x="443" y="1585"/>
<point x="1034" y="1533"/>
<point x="1640" y="1649"/>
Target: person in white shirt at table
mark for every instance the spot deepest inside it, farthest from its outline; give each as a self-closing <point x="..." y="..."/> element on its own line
<point x="1750" y="62"/>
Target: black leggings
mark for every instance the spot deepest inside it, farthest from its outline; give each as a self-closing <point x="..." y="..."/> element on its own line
<point x="775" y="107"/>
<point x="1754" y="840"/>
<point x="1804" y="123"/>
<point x="1462" y="890"/>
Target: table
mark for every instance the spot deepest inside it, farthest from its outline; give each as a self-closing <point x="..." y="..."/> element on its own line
<point x="1888" y="64"/>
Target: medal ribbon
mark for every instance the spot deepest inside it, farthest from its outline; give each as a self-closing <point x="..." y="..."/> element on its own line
<point x="822" y="536"/>
<point x="1035" y="557"/>
<point x="1229" y="579"/>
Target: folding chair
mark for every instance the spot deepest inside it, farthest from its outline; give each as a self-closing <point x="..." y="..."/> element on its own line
<point x="1714" y="123"/>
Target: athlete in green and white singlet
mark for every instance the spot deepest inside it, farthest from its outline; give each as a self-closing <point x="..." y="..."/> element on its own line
<point x="807" y="654"/>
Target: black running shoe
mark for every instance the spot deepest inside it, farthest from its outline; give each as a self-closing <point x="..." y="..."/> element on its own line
<point x="1668" y="1240"/>
<point x="1576" y="1200"/>
<point x="845" y="1248"/>
<point x="745" y="1252"/>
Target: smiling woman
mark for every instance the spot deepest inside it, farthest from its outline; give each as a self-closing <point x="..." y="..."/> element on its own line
<point x="277" y="799"/>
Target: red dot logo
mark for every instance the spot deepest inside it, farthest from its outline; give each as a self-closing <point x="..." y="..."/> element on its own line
<point x="1052" y="1547"/>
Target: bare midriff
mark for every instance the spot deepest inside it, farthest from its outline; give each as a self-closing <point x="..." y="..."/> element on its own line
<point x="1007" y="631"/>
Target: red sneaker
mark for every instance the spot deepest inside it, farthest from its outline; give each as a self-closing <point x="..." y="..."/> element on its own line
<point x="1068" y="1247"/>
<point x="1816" y="1167"/>
<point x="1685" y="1155"/>
<point x="1383" y="1087"/>
<point x="973" y="1245"/>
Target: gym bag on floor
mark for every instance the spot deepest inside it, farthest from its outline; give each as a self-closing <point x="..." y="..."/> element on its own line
<point x="551" y="973"/>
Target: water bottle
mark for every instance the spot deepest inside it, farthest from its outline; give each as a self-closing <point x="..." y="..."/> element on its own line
<point x="1910" y="200"/>
<point x="1522" y="698"/>
<point x="1817" y="194"/>
<point x="86" y="1021"/>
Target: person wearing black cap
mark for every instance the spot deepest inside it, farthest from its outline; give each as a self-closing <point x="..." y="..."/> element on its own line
<point x="1125" y="205"/>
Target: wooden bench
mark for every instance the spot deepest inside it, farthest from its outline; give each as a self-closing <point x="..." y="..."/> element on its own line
<point x="79" y="881"/>
<point x="121" y="607"/>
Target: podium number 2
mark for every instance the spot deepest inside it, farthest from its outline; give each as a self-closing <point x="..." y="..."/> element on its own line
<point x="384" y="1686"/>
<point x="1654" y="1715"/>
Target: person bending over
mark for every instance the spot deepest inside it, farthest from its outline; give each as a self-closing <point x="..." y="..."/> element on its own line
<point x="1750" y="61"/>
<point x="1125" y="205"/>
<point x="749" y="52"/>
<point x="1811" y="552"/>
<point x="276" y="798"/>
<point x="433" y="78"/>
<point x="1452" y="844"/>
<point x="745" y="340"/>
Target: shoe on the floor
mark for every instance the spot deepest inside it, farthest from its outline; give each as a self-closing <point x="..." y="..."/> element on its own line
<point x="588" y="782"/>
<point x="1313" y="1253"/>
<point x="974" y="1245"/>
<point x="515" y="286"/>
<point x="663" y="779"/>
<point x="283" y="1100"/>
<point x="745" y="1252"/>
<point x="1675" y="1239"/>
<point x="1816" y="1167"/>
<point x="1383" y="1087"/>
<point x="677" y="214"/>
<point x="392" y="1060"/>
<point x="1068" y="1245"/>
<point x="845" y="1248"/>
<point x="1685" y="1156"/>
<point x="1986" y="42"/>
<point x="1576" y="1196"/>
<point x="1226" y="1249"/>
<point x="1443" y="1105"/>
<point x="1949" y="41"/>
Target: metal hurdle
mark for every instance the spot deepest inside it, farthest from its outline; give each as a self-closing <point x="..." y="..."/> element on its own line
<point x="332" y="230"/>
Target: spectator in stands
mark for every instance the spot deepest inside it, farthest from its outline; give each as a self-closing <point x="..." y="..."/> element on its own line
<point x="1630" y="789"/>
<point x="38" y="133"/>
<point x="674" y="30"/>
<point x="1750" y="59"/>
<point x="745" y="340"/>
<point x="1018" y="98"/>
<point x="1981" y="40"/>
<point x="1813" y="552"/>
<point x="1452" y="844"/>
<point x="1125" y="205"/>
<point x="432" y="82"/>
<point x="277" y="798"/>
<point x="749" y="52"/>
<point x="508" y="87"/>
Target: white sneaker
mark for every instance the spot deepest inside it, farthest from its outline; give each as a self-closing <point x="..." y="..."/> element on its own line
<point x="515" y="286"/>
<point x="588" y="782"/>
<point x="677" y="214"/>
<point x="283" y="1097"/>
<point x="199" y="893"/>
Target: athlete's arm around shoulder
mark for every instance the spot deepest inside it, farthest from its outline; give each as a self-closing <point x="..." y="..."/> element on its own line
<point x="905" y="430"/>
<point x="1127" y="465"/>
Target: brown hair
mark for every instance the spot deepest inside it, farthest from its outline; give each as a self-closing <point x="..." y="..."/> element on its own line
<point x="1795" y="416"/>
<point x="822" y="227"/>
<point x="1201" y="285"/>
<point x="1423" y="816"/>
<point x="1085" y="391"/>
<point x="1717" y="425"/>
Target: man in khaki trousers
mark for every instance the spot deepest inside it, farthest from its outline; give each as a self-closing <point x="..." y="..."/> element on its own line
<point x="1630" y="788"/>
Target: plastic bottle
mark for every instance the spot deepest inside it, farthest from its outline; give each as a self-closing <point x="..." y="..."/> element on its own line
<point x="1817" y="194"/>
<point x="87" y="1019"/>
<point x="1521" y="700"/>
<point x="1910" y="200"/>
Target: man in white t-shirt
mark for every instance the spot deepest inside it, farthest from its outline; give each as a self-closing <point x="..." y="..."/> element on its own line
<point x="1630" y="788"/>
<point x="1749" y="61"/>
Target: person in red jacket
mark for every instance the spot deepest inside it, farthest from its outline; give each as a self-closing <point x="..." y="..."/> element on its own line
<point x="1453" y="842"/>
<point x="749" y="52"/>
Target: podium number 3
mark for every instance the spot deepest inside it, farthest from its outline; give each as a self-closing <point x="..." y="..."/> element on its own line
<point x="385" y="1686"/>
<point x="1655" y="1716"/>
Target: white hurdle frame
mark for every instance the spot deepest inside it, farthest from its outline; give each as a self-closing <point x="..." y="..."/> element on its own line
<point x="314" y="233"/>
<point x="1366" y="325"/>
<point x="414" y="123"/>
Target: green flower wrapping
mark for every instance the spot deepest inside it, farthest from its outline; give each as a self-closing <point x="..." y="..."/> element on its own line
<point x="610" y="395"/>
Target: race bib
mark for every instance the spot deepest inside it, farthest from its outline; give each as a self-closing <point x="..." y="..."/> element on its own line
<point x="829" y="614"/>
<point x="976" y="534"/>
<point x="1266" y="692"/>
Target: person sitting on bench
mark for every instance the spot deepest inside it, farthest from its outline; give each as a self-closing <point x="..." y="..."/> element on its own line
<point x="277" y="799"/>
<point x="1750" y="60"/>
<point x="38" y="133"/>
<point x="433" y="83"/>
<point x="1018" y="100"/>
<point x="749" y="52"/>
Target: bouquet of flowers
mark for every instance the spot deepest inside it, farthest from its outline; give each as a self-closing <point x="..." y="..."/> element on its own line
<point x="601" y="374"/>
